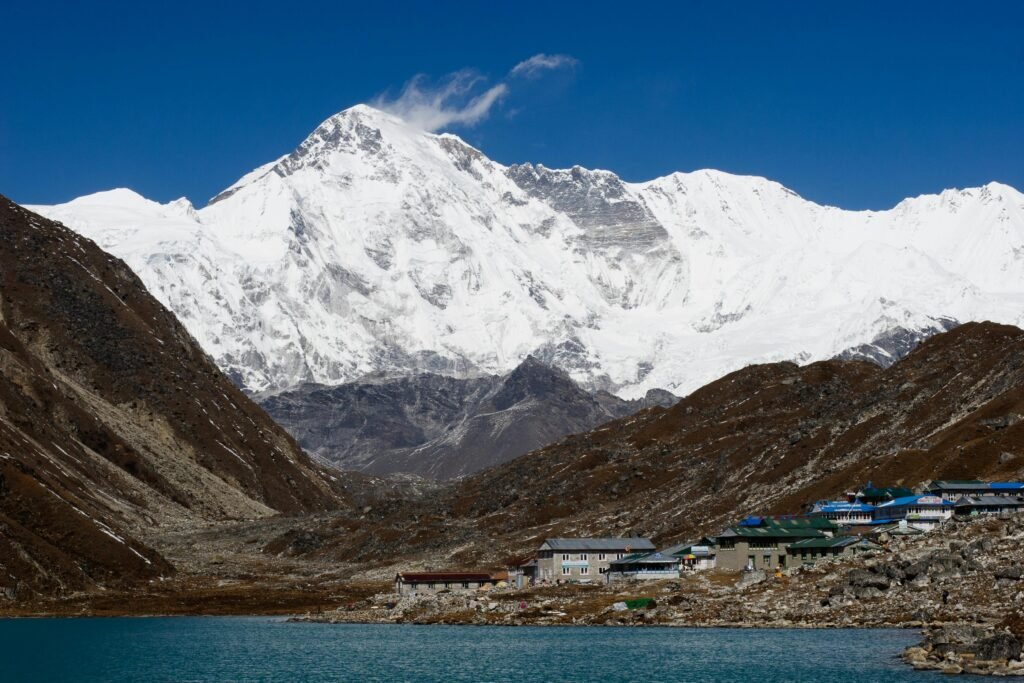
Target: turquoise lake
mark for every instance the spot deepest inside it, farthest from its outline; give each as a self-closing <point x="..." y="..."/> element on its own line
<point x="268" y="649"/>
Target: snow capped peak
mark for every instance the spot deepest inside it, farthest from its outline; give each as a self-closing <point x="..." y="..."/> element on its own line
<point x="364" y="110"/>
<point x="183" y="206"/>
<point x="377" y="248"/>
<point x="119" y="196"/>
<point x="361" y="115"/>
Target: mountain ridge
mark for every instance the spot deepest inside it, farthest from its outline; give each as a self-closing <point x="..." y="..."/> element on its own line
<point x="115" y="424"/>
<point x="443" y="427"/>
<point x="376" y="248"/>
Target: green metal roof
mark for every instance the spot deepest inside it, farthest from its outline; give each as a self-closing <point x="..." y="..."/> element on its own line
<point x="836" y="542"/>
<point x="882" y="492"/>
<point x="801" y="523"/>
<point x="645" y="558"/>
<point x="771" y="532"/>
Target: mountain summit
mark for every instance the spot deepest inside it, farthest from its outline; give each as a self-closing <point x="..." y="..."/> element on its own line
<point x="376" y="248"/>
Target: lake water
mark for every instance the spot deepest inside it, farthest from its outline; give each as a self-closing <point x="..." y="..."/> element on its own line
<point x="267" y="649"/>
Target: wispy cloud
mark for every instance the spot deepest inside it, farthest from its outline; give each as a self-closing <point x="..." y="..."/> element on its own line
<point x="439" y="105"/>
<point x="537" y="64"/>
<point x="461" y="98"/>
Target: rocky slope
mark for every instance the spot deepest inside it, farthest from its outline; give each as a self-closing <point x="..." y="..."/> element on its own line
<point x="114" y="423"/>
<point x="443" y="427"/>
<point x="767" y="439"/>
<point x="375" y="248"/>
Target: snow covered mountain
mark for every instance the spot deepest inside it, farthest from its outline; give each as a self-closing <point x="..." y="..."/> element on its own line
<point x="378" y="249"/>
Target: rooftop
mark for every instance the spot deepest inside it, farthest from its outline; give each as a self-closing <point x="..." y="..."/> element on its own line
<point x="435" y="577"/>
<point x="646" y="558"/>
<point x="826" y="506"/>
<point x="883" y="492"/>
<point x="914" y="500"/>
<point x="770" y="532"/>
<point x="703" y="548"/>
<point x="598" y="544"/>
<point x="836" y="542"/>
<point x="957" y="484"/>
<point x="969" y="501"/>
<point x="787" y="522"/>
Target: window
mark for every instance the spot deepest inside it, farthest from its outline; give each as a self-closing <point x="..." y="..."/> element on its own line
<point x="619" y="556"/>
<point x="584" y="570"/>
<point x="600" y="556"/>
<point x="565" y="557"/>
<point x="601" y="570"/>
<point x="583" y="557"/>
<point x="465" y="584"/>
<point x="565" y="571"/>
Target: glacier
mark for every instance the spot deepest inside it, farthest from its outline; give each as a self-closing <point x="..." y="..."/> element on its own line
<point x="375" y="249"/>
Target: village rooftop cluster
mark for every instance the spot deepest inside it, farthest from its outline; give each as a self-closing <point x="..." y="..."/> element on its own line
<point x="866" y="521"/>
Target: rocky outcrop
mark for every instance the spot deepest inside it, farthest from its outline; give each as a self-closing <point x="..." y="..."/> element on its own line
<point x="969" y="649"/>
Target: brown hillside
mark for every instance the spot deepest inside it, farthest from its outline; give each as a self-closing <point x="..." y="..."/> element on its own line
<point x="766" y="439"/>
<point x="113" y="422"/>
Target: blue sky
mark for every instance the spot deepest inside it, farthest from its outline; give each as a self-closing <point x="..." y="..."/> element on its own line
<point x="854" y="104"/>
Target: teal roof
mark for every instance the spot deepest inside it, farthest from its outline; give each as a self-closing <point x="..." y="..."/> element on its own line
<point x="884" y="492"/>
<point x="770" y="532"/>
<point x="801" y="523"/>
<point x="645" y="558"/>
<point x="836" y="542"/>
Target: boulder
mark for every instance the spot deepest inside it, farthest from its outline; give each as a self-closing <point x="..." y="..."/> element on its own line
<point x="997" y="647"/>
<point x="1014" y="573"/>
<point x="916" y="569"/>
<point x="752" y="578"/>
<point x="915" y="654"/>
<point x="860" y="578"/>
<point x="867" y="593"/>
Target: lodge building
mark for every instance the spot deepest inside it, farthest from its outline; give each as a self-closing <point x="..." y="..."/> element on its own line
<point x="762" y="542"/>
<point x="420" y="583"/>
<point x="584" y="559"/>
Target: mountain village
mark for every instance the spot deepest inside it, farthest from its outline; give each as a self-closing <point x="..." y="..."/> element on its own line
<point x="865" y="522"/>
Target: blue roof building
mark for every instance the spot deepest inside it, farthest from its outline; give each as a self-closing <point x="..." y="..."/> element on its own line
<point x="924" y="512"/>
<point x="955" y="489"/>
<point x="843" y="512"/>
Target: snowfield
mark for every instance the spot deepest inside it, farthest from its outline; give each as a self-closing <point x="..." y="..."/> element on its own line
<point x="377" y="248"/>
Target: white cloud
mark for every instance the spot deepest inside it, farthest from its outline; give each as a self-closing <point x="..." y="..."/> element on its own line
<point x="450" y="101"/>
<point x="439" y="106"/>
<point x="532" y="67"/>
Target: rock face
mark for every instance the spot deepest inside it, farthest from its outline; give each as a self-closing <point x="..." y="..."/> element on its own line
<point x="443" y="427"/>
<point x="114" y="422"/>
<point x="376" y="249"/>
<point x="894" y="344"/>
